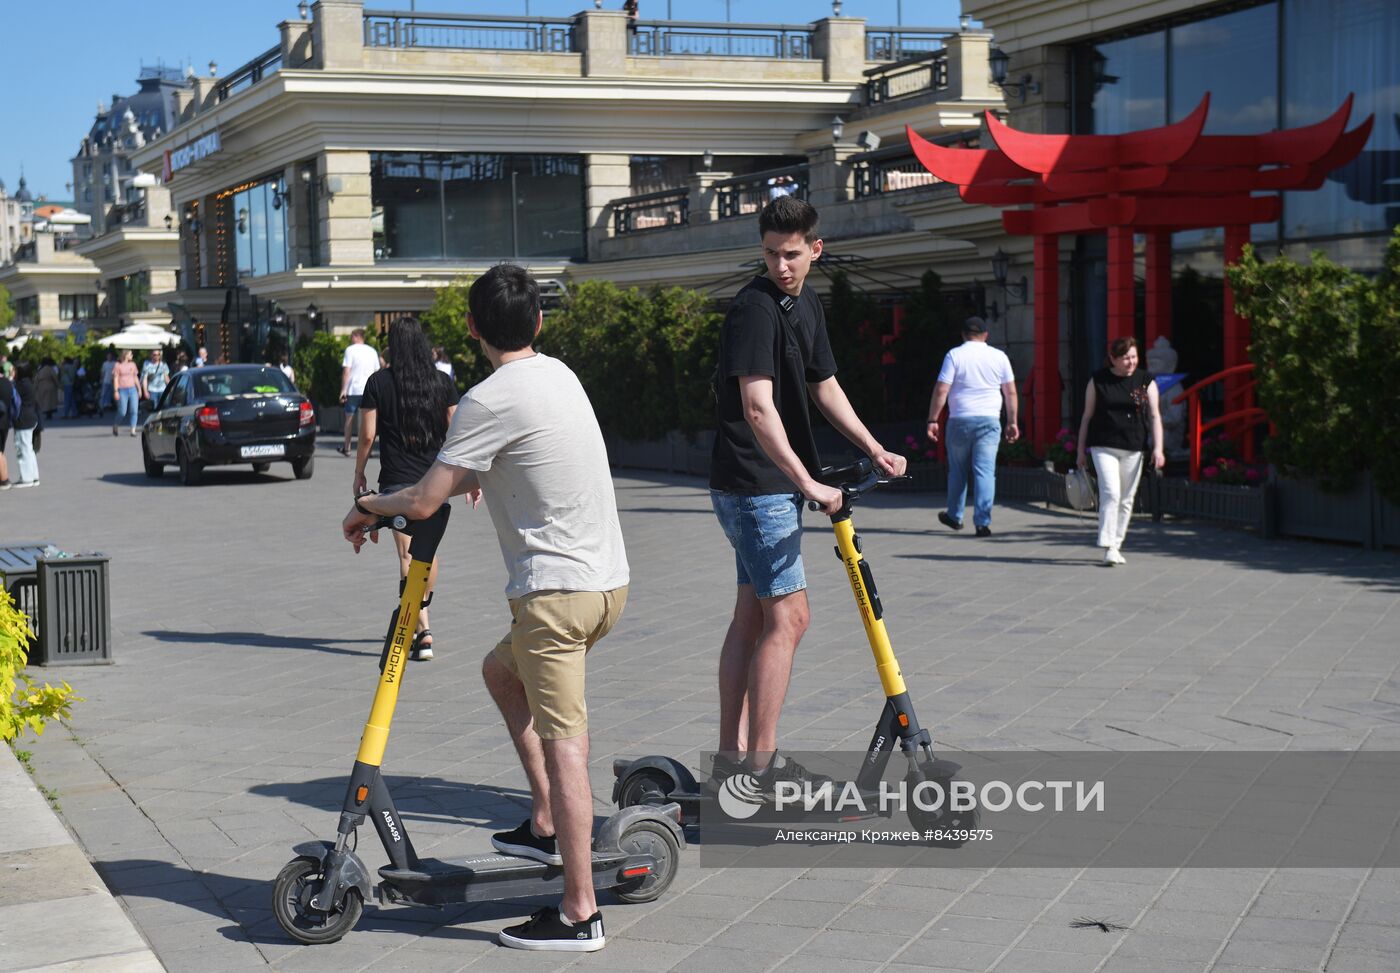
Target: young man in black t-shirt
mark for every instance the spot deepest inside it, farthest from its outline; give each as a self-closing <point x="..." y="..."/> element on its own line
<point x="774" y="353"/>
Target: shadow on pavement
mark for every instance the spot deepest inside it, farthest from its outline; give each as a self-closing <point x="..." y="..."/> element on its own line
<point x="213" y="476"/>
<point x="422" y="799"/>
<point x="266" y="641"/>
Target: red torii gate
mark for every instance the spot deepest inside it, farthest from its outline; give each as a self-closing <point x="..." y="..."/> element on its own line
<point x="1156" y="181"/>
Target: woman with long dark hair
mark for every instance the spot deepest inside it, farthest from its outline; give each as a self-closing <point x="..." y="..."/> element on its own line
<point x="408" y="407"/>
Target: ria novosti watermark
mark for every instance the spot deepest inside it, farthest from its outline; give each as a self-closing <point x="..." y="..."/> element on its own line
<point x="1068" y="809"/>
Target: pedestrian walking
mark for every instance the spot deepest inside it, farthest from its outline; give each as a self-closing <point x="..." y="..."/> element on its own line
<point x="155" y="375"/>
<point x="359" y="362"/>
<point x="773" y="353"/>
<point x="528" y="439"/>
<point x="975" y="381"/>
<point x="46" y="388"/>
<point x="126" y="388"/>
<point x="105" y="396"/>
<point x="29" y="423"/>
<point x="68" y="378"/>
<point x="442" y="362"/>
<point x="9" y="415"/>
<point x="408" y="407"/>
<point x="1121" y="411"/>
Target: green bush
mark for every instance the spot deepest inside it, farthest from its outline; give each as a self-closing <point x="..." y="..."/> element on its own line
<point x="1325" y="341"/>
<point x="645" y="357"/>
<point x="317" y="366"/>
<point x="24" y="706"/>
<point x="445" y="324"/>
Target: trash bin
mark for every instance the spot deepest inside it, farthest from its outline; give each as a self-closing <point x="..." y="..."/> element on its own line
<point x="67" y="600"/>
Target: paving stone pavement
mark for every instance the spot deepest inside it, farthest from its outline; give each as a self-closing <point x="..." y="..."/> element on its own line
<point x="247" y="635"/>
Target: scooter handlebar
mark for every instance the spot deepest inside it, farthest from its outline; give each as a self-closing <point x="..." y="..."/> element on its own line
<point x="853" y="480"/>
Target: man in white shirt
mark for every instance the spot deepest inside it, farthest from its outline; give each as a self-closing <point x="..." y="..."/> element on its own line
<point x="527" y="438"/>
<point x="356" y="366"/>
<point x="974" y="380"/>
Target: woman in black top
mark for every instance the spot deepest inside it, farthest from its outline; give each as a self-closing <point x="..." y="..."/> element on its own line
<point x="24" y="425"/>
<point x="1120" y="410"/>
<point x="408" y="406"/>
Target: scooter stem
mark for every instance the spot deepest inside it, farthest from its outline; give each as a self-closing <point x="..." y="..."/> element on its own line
<point x="426" y="535"/>
<point x="868" y="601"/>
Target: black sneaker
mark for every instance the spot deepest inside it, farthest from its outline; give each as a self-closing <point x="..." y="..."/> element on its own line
<point x="524" y="842"/>
<point x="785" y="768"/>
<point x="947" y="521"/>
<point x="546" y="929"/>
<point x="984" y="531"/>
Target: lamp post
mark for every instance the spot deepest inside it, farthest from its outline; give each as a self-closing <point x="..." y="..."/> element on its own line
<point x="838" y="128"/>
<point x="1001" y="267"/>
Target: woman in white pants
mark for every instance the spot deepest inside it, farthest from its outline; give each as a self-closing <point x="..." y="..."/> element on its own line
<point x="1120" y="410"/>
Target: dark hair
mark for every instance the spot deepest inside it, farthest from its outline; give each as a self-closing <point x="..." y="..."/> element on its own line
<point x="23" y="369"/>
<point x="788" y="215"/>
<point x="505" y="304"/>
<point x="358" y="333"/>
<point x="1119" y="347"/>
<point x="421" y="393"/>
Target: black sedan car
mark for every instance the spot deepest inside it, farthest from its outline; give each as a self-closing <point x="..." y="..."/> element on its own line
<point x="227" y="414"/>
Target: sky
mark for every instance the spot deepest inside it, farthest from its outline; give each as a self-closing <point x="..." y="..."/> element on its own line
<point x="75" y="53"/>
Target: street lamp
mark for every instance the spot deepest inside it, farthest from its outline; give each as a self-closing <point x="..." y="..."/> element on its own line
<point x="999" y="60"/>
<point x="313" y="314"/>
<point x="303" y="11"/>
<point x="838" y="128"/>
<point x="1001" y="266"/>
<point x="708" y="160"/>
<point x="169" y="221"/>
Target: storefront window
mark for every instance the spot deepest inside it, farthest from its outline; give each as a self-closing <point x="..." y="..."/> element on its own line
<point x="130" y="294"/>
<point x="26" y="310"/>
<point x="72" y="307"/>
<point x="1123" y="84"/>
<point x="1234" y="57"/>
<point x="476" y="205"/>
<point x="259" y="220"/>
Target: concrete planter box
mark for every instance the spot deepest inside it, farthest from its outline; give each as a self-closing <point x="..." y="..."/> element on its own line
<point x="330" y="418"/>
<point x="1237" y="506"/>
<point x="1025" y="483"/>
<point x="1359" y="515"/>
<point x="677" y="453"/>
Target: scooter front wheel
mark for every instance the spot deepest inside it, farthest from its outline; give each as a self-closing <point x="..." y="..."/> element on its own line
<point x="297" y="883"/>
<point x="655" y="839"/>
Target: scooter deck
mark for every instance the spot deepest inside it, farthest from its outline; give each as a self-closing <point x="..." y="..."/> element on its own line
<point x="488" y="878"/>
<point x="691" y="801"/>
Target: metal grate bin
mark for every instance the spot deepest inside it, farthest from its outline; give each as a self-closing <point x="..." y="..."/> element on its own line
<point x="74" y="617"/>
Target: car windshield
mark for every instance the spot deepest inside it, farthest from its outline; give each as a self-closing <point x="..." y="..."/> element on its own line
<point x="211" y="383"/>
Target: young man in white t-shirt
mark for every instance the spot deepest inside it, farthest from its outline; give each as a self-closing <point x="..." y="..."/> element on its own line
<point x="974" y="380"/>
<point x="359" y="362"/>
<point x="527" y="439"/>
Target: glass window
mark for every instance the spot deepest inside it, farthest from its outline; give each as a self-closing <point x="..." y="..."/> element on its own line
<point x="72" y="307"/>
<point x="1235" y="58"/>
<point x="476" y="205"/>
<point x="406" y="202"/>
<point x="1126" y="84"/>
<point x="260" y="230"/>
<point x="476" y="193"/>
<point x="1334" y="48"/>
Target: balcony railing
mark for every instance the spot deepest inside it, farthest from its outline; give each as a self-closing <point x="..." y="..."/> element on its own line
<point x="672" y="38"/>
<point x="651" y="211"/>
<point x="893" y="174"/>
<point x="268" y="62"/>
<point x="468" y="32"/>
<point x="904" y="43"/>
<point x="746" y="195"/>
<point x="905" y="79"/>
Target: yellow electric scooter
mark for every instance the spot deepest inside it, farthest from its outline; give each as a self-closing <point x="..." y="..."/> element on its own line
<point x="661" y="780"/>
<point x="319" y="895"/>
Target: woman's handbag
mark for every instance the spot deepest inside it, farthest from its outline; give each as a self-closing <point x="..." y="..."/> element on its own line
<point x="1083" y="495"/>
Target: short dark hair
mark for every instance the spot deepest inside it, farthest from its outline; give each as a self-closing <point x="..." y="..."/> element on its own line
<point x="505" y="304"/>
<point x="358" y="333"/>
<point x="1119" y="347"/>
<point x="787" y="215"/>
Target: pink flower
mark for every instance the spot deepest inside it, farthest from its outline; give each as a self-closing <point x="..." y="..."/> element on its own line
<point x="1069" y="445"/>
<point x="930" y="454"/>
<point x="910" y="441"/>
<point x="1064" y="432"/>
<point x="1252" y="474"/>
<point x="1210" y="472"/>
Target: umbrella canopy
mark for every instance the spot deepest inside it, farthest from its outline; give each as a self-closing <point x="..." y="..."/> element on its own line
<point x="140" y="337"/>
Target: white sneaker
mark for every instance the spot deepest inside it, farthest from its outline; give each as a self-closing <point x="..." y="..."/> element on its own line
<point x="1113" y="557"/>
<point x="24" y="484"/>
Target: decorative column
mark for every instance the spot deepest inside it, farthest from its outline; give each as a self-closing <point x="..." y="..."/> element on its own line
<point x="1159" y="286"/>
<point x="1121" y="294"/>
<point x="1046" y="400"/>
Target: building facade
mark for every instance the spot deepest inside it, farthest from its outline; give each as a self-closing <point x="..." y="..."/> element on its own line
<point x="370" y="158"/>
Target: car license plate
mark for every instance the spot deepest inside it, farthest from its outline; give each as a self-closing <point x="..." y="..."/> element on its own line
<point x="253" y="452"/>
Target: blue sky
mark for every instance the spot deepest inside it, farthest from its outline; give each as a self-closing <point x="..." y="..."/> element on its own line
<point x="75" y="53"/>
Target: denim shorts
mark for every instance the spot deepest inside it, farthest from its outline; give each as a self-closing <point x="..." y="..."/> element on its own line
<point x="352" y="404"/>
<point x="766" y="533"/>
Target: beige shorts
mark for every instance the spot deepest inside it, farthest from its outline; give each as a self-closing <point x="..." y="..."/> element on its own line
<point x="550" y="633"/>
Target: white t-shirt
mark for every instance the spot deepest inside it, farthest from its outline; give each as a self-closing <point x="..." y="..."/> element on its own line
<point x="530" y="434"/>
<point x="363" y="361"/>
<point x="976" y="372"/>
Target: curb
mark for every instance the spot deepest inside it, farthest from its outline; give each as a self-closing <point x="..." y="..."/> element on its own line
<point x="55" y="912"/>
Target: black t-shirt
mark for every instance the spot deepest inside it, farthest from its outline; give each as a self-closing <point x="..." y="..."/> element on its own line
<point x="1120" y="409"/>
<point x="8" y="415"/>
<point x="755" y="340"/>
<point x="397" y="465"/>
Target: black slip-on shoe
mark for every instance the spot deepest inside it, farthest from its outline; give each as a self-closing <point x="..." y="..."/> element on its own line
<point x="524" y="842"/>
<point x="947" y="521"/>
<point x="984" y="532"/>
<point x="546" y="929"/>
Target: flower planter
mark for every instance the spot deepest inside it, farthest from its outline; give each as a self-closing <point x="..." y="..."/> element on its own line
<point x="1303" y="509"/>
<point x="1022" y="483"/>
<point x="330" y="418"/>
<point x="1238" y="506"/>
<point x="925" y="477"/>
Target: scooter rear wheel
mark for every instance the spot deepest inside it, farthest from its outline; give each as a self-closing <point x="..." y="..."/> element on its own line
<point x="645" y="787"/>
<point x="655" y="839"/>
<point x="296" y="884"/>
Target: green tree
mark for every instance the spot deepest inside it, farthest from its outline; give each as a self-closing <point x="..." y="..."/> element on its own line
<point x="7" y="310"/>
<point x="853" y="326"/>
<point x="1325" y="341"/>
<point x="445" y="323"/>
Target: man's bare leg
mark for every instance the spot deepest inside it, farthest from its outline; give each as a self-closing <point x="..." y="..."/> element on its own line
<point x="509" y="693"/>
<point x="734" y="659"/>
<point x="571" y="801"/>
<point x="785" y="620"/>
